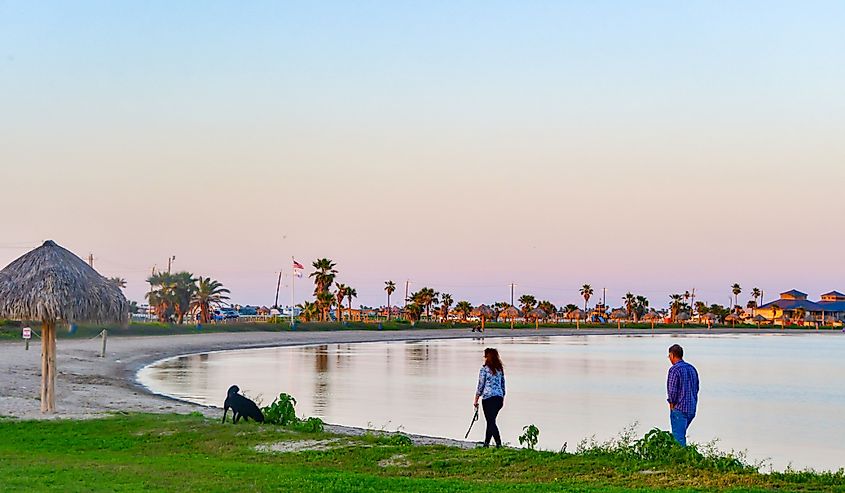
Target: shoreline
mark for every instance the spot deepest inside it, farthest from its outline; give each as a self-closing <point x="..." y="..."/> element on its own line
<point x="89" y="386"/>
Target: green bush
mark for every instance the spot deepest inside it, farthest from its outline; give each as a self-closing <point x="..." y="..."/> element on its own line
<point x="529" y="437"/>
<point x="282" y="411"/>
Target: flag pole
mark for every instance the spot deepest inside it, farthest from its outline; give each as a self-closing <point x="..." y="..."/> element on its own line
<point x="292" y="282"/>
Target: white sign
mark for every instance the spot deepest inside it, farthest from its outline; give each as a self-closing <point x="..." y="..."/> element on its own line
<point x="27" y="333"/>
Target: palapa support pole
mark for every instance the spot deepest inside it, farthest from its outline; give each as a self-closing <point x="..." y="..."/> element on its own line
<point x="105" y="334"/>
<point x="48" y="367"/>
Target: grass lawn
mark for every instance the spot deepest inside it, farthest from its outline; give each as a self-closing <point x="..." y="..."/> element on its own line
<point x="140" y="452"/>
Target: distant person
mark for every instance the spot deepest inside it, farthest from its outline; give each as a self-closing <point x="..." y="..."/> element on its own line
<point x="682" y="389"/>
<point x="491" y="390"/>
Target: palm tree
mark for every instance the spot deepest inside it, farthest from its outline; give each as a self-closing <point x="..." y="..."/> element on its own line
<point x="209" y="293"/>
<point x="160" y="297"/>
<point x="425" y="297"/>
<point x="586" y="291"/>
<point x="184" y="288"/>
<point x="642" y="306"/>
<point x="687" y="297"/>
<point x="527" y="303"/>
<point x="463" y="308"/>
<point x="752" y="305"/>
<point x="677" y="299"/>
<point x="389" y="288"/>
<point x="323" y="275"/>
<point x="701" y="308"/>
<point x="324" y="301"/>
<point x="412" y="312"/>
<point x="308" y="310"/>
<point x="350" y="293"/>
<point x="118" y="281"/>
<point x="736" y="290"/>
<point x="756" y="293"/>
<point x="548" y="307"/>
<point x="631" y="305"/>
<point x="340" y="294"/>
<point x="445" y="302"/>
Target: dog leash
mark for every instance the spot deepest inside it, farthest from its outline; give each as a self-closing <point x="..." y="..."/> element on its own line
<point x="474" y="419"/>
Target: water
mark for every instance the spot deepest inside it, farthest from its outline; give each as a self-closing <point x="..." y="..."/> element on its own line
<point x="780" y="397"/>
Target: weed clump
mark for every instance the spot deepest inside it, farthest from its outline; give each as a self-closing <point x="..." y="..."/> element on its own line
<point x="282" y="412"/>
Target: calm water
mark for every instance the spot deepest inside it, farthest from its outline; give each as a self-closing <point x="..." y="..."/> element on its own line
<point x="781" y="397"/>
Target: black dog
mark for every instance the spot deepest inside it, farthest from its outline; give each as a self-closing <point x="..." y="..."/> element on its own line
<point x="241" y="406"/>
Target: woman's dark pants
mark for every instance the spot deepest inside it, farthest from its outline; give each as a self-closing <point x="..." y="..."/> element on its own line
<point x="492" y="406"/>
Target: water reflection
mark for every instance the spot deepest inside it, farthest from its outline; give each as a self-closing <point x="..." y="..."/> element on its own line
<point x="777" y="396"/>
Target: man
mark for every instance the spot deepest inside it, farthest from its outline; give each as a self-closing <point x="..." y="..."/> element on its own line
<point x="682" y="387"/>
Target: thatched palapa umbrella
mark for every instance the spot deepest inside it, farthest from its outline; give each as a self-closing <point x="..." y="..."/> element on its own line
<point x="732" y="318"/>
<point x="483" y="312"/>
<point x="50" y="285"/>
<point x="683" y="317"/>
<point x="537" y="314"/>
<point x="758" y="319"/>
<point x="619" y="315"/>
<point x="652" y="317"/>
<point x="577" y="314"/>
<point x="509" y="313"/>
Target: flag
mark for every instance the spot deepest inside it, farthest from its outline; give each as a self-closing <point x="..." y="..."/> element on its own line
<point x="297" y="265"/>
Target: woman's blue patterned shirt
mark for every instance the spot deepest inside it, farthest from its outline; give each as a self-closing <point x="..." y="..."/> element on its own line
<point x="490" y="385"/>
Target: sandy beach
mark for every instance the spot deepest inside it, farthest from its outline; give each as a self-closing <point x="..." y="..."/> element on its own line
<point x="88" y="386"/>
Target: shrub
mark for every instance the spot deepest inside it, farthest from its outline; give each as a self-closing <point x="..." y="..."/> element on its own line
<point x="529" y="437"/>
<point x="282" y="411"/>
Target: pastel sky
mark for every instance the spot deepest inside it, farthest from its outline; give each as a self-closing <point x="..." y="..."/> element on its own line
<point x="650" y="147"/>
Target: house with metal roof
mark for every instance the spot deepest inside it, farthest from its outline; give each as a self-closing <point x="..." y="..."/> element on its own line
<point x="831" y="305"/>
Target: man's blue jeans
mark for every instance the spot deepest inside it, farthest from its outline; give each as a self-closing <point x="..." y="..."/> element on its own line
<point x="680" y="422"/>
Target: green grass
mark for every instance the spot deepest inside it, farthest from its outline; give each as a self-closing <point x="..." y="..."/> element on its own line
<point x="190" y="453"/>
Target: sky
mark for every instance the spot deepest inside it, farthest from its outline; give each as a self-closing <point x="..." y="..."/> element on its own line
<point x="651" y="147"/>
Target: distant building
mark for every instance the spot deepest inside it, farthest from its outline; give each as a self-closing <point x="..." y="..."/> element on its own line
<point x="832" y="305"/>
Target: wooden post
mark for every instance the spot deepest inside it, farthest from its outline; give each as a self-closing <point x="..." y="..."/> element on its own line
<point x="48" y="367"/>
<point x="105" y="334"/>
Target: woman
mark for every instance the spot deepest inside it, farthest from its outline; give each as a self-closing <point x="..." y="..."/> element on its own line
<point x="491" y="390"/>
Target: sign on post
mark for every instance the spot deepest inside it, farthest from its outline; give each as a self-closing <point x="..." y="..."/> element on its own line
<point x="27" y="335"/>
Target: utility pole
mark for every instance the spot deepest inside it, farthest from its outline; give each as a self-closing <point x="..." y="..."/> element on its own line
<point x="91" y="260"/>
<point x="512" y="285"/>
<point x="169" y="262"/>
<point x="604" y="297"/>
<point x="692" y="302"/>
<point x="278" y="285"/>
<point x="407" y="282"/>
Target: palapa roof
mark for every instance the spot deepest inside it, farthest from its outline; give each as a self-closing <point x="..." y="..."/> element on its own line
<point x="682" y="316"/>
<point x="52" y="284"/>
<point x="538" y="313"/>
<point x="509" y="312"/>
<point x="619" y="314"/>
<point x="482" y="311"/>
<point x="576" y="313"/>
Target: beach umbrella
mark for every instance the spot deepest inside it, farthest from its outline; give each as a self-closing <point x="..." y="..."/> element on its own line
<point x="52" y="285"/>
<point x="759" y="319"/>
<point x="619" y="314"/>
<point x="537" y="314"/>
<point x="577" y="314"/>
<point x="652" y="317"/>
<point x="732" y="318"/>
<point x="483" y="312"/>
<point x="509" y="313"/>
<point x="683" y="317"/>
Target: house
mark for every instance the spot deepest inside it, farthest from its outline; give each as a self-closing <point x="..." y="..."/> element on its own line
<point x="793" y="302"/>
